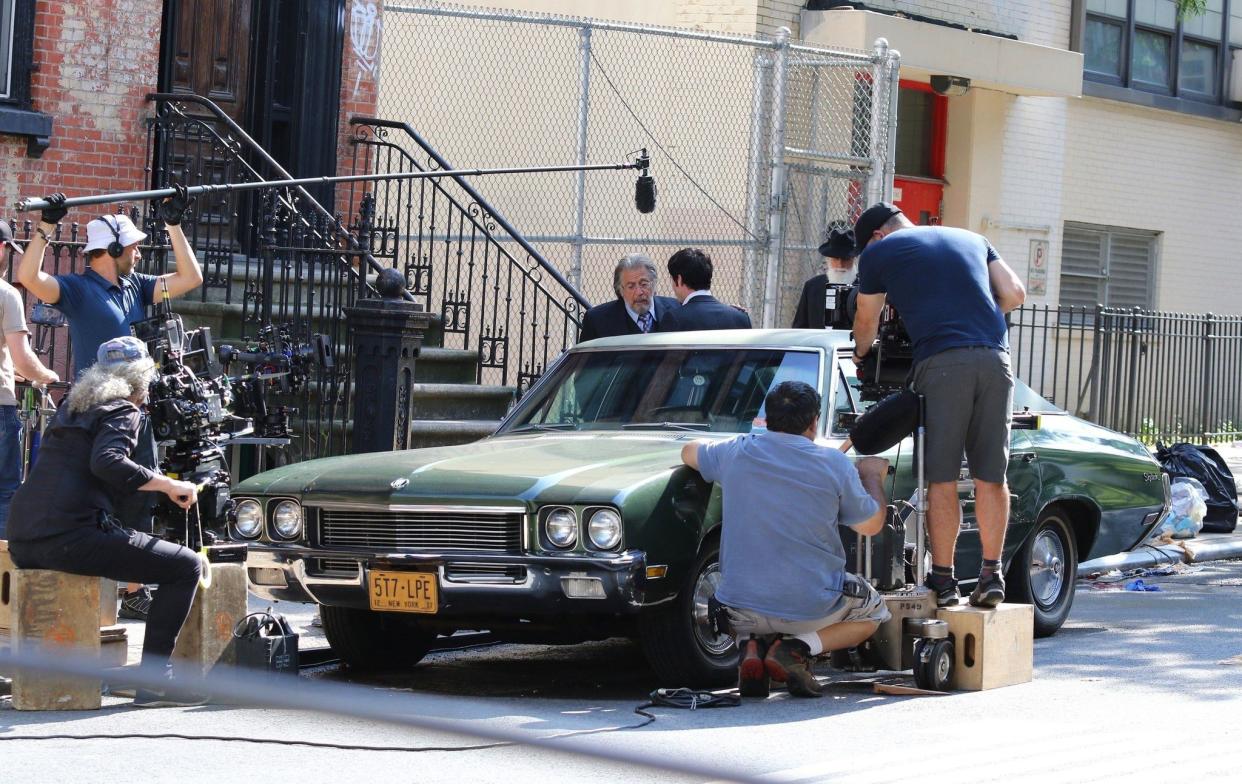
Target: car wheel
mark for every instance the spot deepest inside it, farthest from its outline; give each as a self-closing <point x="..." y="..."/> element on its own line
<point x="933" y="664"/>
<point x="369" y="640"/>
<point x="1043" y="572"/>
<point x="677" y="637"/>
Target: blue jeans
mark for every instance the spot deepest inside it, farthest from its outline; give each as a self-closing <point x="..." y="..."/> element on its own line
<point x="10" y="461"/>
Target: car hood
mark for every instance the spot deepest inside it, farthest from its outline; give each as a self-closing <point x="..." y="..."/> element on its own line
<point x="549" y="467"/>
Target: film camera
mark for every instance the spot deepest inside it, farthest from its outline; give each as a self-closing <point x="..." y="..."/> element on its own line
<point x="205" y="395"/>
<point x="887" y="366"/>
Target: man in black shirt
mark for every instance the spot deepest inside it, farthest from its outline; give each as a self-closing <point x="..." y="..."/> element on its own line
<point x="63" y="517"/>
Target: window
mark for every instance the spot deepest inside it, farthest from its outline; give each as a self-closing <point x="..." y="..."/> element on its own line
<point x="1107" y="266"/>
<point x="6" y="47"/>
<point x="16" y="59"/>
<point x="1142" y="45"/>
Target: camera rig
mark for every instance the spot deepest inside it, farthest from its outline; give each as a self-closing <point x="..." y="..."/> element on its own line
<point x="205" y="396"/>
<point x="886" y="367"/>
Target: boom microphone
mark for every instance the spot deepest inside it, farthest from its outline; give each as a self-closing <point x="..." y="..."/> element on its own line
<point x="645" y="194"/>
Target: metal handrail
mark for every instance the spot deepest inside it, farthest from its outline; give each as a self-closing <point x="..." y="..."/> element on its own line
<point x="534" y="254"/>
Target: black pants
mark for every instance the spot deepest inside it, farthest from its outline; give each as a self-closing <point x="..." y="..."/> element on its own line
<point x="126" y="556"/>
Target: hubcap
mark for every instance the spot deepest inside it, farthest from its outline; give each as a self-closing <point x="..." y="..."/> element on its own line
<point x="704" y="589"/>
<point x="1047" y="568"/>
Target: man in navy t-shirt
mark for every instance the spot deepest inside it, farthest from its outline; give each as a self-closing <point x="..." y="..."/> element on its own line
<point x="952" y="290"/>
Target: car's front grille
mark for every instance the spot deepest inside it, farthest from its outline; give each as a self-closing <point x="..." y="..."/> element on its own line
<point x="474" y="530"/>
<point x="332" y="567"/>
<point x="494" y="574"/>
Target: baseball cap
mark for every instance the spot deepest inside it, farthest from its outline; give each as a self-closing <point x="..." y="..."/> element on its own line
<point x="871" y="220"/>
<point x="839" y="245"/>
<point x="119" y="351"/>
<point x="101" y="232"/>
<point x="6" y="237"/>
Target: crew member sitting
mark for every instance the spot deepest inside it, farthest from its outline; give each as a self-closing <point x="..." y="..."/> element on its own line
<point x="783" y="583"/>
<point x="63" y="517"/>
<point x="823" y="297"/>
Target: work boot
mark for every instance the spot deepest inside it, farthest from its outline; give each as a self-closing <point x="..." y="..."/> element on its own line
<point x="752" y="675"/>
<point x="789" y="661"/>
<point x="945" y="589"/>
<point x="989" y="592"/>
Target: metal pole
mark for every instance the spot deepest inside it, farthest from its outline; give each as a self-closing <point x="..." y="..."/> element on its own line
<point x="31" y="203"/>
<point x="776" y="215"/>
<point x="584" y="113"/>
<point x="920" y="514"/>
<point x="754" y="175"/>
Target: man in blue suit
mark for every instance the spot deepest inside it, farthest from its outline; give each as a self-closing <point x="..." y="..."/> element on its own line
<point x="636" y="309"/>
<point x="691" y="271"/>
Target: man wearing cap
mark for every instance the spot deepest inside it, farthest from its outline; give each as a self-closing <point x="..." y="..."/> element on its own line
<point x="63" y="516"/>
<point x="15" y="354"/>
<point x="818" y="299"/>
<point x="636" y="310"/>
<point x="952" y="290"/>
<point x="102" y="302"/>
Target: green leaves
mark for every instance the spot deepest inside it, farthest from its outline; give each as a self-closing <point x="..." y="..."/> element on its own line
<point x="1187" y="8"/>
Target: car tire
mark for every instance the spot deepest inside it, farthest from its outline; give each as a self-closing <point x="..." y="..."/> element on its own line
<point x="369" y="640"/>
<point x="675" y="638"/>
<point x="1044" y="570"/>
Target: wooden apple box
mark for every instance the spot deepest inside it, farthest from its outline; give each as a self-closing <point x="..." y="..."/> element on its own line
<point x="107" y="593"/>
<point x="54" y="611"/>
<point x="993" y="648"/>
<point x="206" y="639"/>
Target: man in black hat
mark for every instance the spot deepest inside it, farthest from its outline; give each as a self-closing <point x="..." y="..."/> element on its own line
<point x="823" y="297"/>
<point x="952" y="290"/>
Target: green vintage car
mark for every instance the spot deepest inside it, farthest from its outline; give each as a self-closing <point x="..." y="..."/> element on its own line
<point x="577" y="520"/>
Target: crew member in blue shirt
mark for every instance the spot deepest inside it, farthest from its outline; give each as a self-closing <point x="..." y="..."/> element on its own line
<point x="952" y="290"/>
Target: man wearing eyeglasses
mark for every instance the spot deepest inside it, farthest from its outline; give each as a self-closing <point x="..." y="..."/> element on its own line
<point x="636" y="309"/>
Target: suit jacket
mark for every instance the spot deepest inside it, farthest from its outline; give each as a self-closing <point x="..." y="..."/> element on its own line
<point x="611" y="318"/>
<point x="810" y="312"/>
<point x="705" y="312"/>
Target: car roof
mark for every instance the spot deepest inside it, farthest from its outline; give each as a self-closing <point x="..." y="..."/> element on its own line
<point x="827" y="339"/>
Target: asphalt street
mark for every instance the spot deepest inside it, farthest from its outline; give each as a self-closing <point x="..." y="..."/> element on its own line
<point x="1136" y="684"/>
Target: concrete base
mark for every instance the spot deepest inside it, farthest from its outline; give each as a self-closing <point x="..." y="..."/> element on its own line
<point x="993" y="648"/>
<point x="207" y="636"/>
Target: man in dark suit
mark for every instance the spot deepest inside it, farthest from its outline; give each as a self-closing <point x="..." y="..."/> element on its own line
<point x="636" y="309"/>
<point x="813" y="307"/>
<point x="691" y="271"/>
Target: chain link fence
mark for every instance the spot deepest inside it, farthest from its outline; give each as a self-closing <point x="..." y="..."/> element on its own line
<point x="757" y="146"/>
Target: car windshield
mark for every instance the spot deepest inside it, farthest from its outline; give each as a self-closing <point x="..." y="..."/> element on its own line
<point x="716" y="389"/>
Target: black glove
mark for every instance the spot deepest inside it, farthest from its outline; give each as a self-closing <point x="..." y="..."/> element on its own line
<point x="55" y="211"/>
<point x="173" y="209"/>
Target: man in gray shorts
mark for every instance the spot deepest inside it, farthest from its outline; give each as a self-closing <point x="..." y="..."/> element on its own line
<point x="952" y="290"/>
<point x="783" y="581"/>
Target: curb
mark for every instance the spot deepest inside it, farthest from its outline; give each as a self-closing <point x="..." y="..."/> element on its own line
<point x="1200" y="550"/>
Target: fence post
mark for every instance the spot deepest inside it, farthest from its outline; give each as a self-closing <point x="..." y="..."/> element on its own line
<point x="776" y="195"/>
<point x="754" y="178"/>
<point x="387" y="337"/>
<point x="1133" y="375"/>
<point x="584" y="113"/>
<point x="1205" y="383"/>
<point x="1098" y="361"/>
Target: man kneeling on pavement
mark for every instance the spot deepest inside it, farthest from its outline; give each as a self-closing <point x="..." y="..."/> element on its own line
<point x="783" y="583"/>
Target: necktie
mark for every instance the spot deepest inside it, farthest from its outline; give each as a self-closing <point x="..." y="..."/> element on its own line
<point x="645" y="321"/>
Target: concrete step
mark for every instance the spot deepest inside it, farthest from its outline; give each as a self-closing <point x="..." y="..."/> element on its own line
<point x="446" y="366"/>
<point x="446" y="432"/>
<point x="461" y="401"/>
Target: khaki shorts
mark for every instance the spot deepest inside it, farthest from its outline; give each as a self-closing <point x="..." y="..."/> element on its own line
<point x="868" y="607"/>
<point x="969" y="394"/>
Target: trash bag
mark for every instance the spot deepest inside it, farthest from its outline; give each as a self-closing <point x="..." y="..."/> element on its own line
<point x="1187" y="508"/>
<point x="1209" y="468"/>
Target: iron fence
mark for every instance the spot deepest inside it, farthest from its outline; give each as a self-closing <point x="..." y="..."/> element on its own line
<point x="1154" y="375"/>
<point x="758" y="145"/>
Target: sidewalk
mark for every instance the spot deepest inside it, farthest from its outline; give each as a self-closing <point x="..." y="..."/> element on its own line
<point x="1201" y="549"/>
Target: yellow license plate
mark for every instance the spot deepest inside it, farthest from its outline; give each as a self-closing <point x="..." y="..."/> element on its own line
<point x="413" y="592"/>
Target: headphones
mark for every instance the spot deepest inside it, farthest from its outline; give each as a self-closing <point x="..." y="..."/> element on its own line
<point x="115" y="248"/>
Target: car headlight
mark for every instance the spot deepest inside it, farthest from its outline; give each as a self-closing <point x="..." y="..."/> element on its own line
<point x="249" y="519"/>
<point x="561" y="526"/>
<point x="287" y="519"/>
<point x="604" y="529"/>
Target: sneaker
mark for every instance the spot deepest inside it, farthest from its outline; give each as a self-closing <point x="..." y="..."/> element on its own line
<point x="947" y="594"/>
<point x="989" y="592"/>
<point x="136" y="604"/>
<point x="752" y="675"/>
<point x="788" y="660"/>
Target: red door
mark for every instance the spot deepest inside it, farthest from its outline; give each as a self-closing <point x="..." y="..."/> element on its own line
<point x="918" y="187"/>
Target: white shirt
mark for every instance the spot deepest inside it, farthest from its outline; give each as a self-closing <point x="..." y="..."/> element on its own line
<point x="699" y="293"/>
<point x="634" y="314"/>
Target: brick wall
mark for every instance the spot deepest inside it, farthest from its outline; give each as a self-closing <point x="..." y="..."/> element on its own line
<point x="95" y="63"/>
<point x="360" y="68"/>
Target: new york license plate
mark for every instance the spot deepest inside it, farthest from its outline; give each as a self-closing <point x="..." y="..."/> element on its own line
<point x="413" y="592"/>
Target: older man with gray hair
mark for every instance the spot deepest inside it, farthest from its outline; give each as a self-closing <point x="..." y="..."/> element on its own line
<point x="636" y="309"/>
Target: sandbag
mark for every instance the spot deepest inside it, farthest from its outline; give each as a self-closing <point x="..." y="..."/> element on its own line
<point x="1206" y="465"/>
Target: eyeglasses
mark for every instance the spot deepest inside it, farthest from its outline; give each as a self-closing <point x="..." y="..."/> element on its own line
<point x="642" y="285"/>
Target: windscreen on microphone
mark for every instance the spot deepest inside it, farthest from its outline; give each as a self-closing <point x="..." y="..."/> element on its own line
<point x="645" y="194"/>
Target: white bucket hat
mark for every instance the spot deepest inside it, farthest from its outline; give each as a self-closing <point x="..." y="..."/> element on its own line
<point x="103" y="231"/>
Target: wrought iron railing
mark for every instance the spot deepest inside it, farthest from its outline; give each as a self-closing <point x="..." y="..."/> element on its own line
<point x="492" y="292"/>
<point x="1152" y="374"/>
